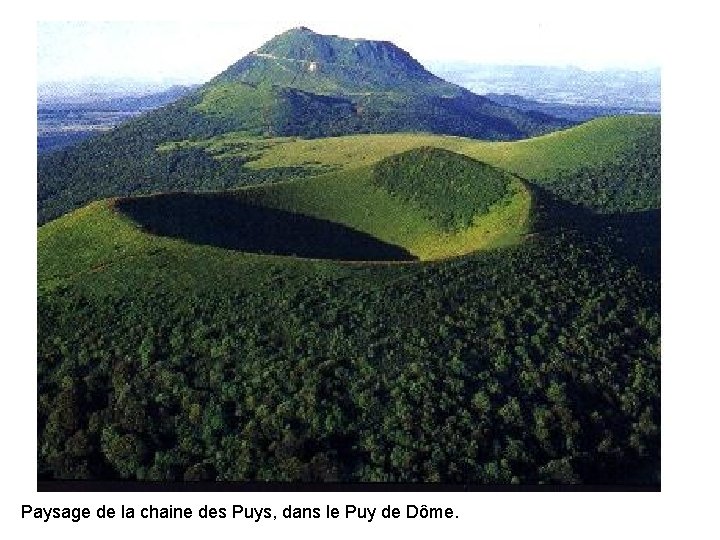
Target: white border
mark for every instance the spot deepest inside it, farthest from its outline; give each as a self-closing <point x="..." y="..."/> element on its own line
<point x="690" y="305"/>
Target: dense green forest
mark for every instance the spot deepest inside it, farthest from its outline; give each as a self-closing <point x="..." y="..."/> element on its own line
<point x="531" y="364"/>
<point x="629" y="182"/>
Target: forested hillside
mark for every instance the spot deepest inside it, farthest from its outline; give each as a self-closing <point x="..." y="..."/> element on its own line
<point x="532" y="364"/>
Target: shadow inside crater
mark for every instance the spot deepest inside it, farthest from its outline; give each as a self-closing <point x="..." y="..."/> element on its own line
<point x="226" y="221"/>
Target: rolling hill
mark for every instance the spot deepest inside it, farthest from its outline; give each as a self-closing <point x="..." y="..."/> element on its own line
<point x="298" y="84"/>
<point x="608" y="164"/>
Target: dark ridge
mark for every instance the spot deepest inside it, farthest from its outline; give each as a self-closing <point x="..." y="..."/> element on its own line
<point x="228" y="222"/>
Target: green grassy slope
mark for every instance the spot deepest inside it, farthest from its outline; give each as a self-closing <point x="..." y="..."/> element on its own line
<point x="589" y="147"/>
<point x="87" y="240"/>
<point x="102" y="250"/>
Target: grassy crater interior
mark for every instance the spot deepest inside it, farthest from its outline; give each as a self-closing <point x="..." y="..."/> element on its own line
<point x="423" y="204"/>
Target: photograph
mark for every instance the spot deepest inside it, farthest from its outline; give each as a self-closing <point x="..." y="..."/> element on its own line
<point x="371" y="253"/>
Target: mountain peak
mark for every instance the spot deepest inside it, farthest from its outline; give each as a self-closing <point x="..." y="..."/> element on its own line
<point x="302" y="82"/>
<point x="329" y="64"/>
<point x="302" y="44"/>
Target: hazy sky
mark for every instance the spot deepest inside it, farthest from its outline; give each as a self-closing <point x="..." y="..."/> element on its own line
<point x="608" y="34"/>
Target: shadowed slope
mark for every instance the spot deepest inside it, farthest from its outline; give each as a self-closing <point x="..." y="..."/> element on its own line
<point x="226" y="221"/>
